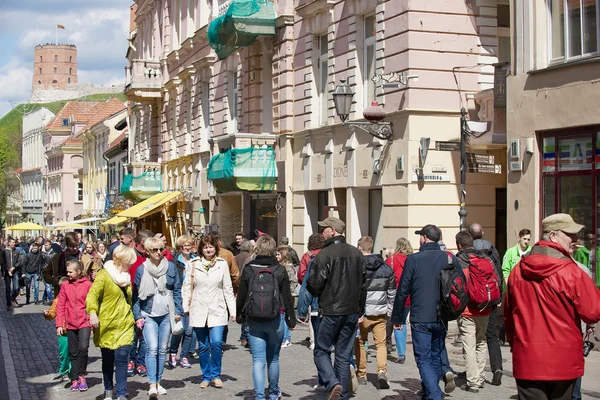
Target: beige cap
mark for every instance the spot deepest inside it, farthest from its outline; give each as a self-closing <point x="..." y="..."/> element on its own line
<point x="335" y="223"/>
<point x="561" y="222"/>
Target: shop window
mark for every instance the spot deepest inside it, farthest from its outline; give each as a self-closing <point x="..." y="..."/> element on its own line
<point x="263" y="214"/>
<point x="573" y="28"/>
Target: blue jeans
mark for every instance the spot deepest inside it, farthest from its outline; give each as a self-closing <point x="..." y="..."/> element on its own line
<point x="188" y="339"/>
<point x="265" y="343"/>
<point x="314" y="320"/>
<point x="48" y="292"/>
<point x="138" y="355"/>
<point x="115" y="360"/>
<point x="577" y="390"/>
<point x="210" y="347"/>
<point x="338" y="331"/>
<point x="244" y="334"/>
<point x="12" y="287"/>
<point x="31" y="280"/>
<point x="156" y="334"/>
<point x="428" y="345"/>
<point x="287" y="334"/>
<point x="400" y="335"/>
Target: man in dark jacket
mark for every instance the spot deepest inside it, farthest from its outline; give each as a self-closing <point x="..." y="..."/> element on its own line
<point x="293" y="254"/>
<point x="547" y="293"/>
<point x="420" y="280"/>
<point x="32" y="268"/>
<point x="381" y="292"/>
<point x="338" y="279"/>
<point x="495" y="322"/>
<point x="13" y="264"/>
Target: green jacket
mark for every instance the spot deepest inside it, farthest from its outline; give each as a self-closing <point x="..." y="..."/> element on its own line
<point x="511" y="258"/>
<point x="582" y="255"/>
<point x="108" y="301"/>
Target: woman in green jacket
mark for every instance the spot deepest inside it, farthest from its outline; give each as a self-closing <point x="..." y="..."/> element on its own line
<point x="109" y="305"/>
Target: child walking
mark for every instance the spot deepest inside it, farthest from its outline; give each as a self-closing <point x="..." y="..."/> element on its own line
<point x="63" y="342"/>
<point x="71" y="314"/>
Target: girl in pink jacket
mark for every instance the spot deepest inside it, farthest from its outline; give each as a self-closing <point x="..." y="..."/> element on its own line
<point x="71" y="316"/>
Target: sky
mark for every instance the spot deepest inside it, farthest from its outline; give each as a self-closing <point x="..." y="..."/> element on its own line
<point x="99" y="29"/>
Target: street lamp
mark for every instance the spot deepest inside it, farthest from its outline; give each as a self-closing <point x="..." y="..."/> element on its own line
<point x="342" y="99"/>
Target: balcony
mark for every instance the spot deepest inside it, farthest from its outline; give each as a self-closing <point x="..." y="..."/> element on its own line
<point x="143" y="181"/>
<point x="143" y="79"/>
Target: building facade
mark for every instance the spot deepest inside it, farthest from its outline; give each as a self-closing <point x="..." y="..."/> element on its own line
<point x="265" y="105"/>
<point x="32" y="162"/>
<point x="553" y="126"/>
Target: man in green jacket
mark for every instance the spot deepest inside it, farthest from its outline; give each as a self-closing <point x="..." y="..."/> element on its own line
<point x="583" y="253"/>
<point x="514" y="254"/>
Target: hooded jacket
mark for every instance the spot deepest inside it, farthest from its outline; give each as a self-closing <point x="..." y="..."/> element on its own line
<point x="34" y="262"/>
<point x="70" y="309"/>
<point x="547" y="297"/>
<point x="381" y="287"/>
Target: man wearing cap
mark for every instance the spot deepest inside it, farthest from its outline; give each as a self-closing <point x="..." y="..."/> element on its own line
<point x="547" y="297"/>
<point x="338" y="279"/>
<point x="420" y="280"/>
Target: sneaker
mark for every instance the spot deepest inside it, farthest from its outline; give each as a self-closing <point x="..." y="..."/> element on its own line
<point x="74" y="385"/>
<point x="382" y="379"/>
<point x="362" y="380"/>
<point x="400" y="359"/>
<point x="286" y="344"/>
<point x="108" y="395"/>
<point x="497" y="379"/>
<point x="276" y="395"/>
<point x="141" y="370"/>
<point x="173" y="361"/>
<point x="353" y="380"/>
<point x="161" y="390"/>
<point x="204" y="384"/>
<point x="153" y="391"/>
<point x="130" y="368"/>
<point x="450" y="385"/>
<point x="468" y="388"/>
<point x="193" y="355"/>
<point x="83" y="386"/>
<point x="218" y="383"/>
<point x="336" y="392"/>
<point x="185" y="363"/>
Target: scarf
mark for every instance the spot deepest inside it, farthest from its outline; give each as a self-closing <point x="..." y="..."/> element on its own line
<point x="152" y="274"/>
<point x="208" y="264"/>
<point x="122" y="279"/>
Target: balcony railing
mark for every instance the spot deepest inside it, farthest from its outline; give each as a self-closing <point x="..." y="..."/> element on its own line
<point x="144" y="74"/>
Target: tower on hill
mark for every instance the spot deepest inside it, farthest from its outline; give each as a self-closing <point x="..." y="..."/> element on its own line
<point x="54" y="66"/>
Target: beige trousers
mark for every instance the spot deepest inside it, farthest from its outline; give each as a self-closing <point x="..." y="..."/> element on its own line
<point x="474" y="343"/>
<point x="377" y="325"/>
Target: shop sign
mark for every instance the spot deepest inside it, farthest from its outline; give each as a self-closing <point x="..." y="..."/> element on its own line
<point x="447" y="146"/>
<point x="430" y="178"/>
<point x="485" y="168"/>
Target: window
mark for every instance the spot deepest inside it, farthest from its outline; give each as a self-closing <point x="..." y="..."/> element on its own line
<point x="55" y="58"/>
<point x="55" y="82"/>
<point x="70" y="58"/>
<point x="41" y="59"/>
<point x="573" y="28"/>
<point x="55" y="69"/>
<point x="503" y="21"/>
<point x="39" y="82"/>
<point x="233" y="101"/>
<point x="70" y="71"/>
<point x="322" y="79"/>
<point x="68" y="80"/>
<point x="79" y="191"/>
<point x="65" y="121"/>
<point x="369" y="59"/>
<point x="40" y="70"/>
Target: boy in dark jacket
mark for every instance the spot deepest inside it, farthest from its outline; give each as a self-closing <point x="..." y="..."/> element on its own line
<point x="34" y="262"/>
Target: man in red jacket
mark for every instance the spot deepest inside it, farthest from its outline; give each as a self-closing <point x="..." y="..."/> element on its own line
<point x="547" y="297"/>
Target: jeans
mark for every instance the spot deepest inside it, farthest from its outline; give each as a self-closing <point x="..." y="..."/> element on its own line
<point x="188" y="339"/>
<point x="210" y="347"/>
<point x="138" y="355"/>
<point x="577" y="389"/>
<point x="79" y="343"/>
<point x="48" y="292"/>
<point x="287" y="334"/>
<point x="115" y="360"/>
<point x="265" y="343"/>
<point x="156" y="334"/>
<point x="338" y="331"/>
<point x="244" y="334"/>
<point x="428" y="344"/>
<point x="11" y="284"/>
<point x="31" y="280"/>
<point x="63" y="355"/>
<point x="493" y="343"/>
<point x="400" y="335"/>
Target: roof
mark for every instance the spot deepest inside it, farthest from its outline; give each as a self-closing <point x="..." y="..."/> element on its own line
<point x="110" y="107"/>
<point x="115" y="143"/>
<point x="81" y="111"/>
<point x="24" y="171"/>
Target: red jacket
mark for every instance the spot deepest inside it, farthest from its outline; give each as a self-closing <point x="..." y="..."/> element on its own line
<point x="547" y="294"/>
<point x="70" y="309"/>
<point x="304" y="264"/>
<point x="397" y="264"/>
<point x="139" y="260"/>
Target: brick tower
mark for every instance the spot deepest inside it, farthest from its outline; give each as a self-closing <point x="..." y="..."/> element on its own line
<point x="54" y="66"/>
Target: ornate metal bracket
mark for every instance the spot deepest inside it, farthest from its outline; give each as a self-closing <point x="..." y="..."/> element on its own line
<point x="381" y="130"/>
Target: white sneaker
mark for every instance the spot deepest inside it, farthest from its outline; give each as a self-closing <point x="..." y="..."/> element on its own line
<point x="285" y="344"/>
<point x="153" y="391"/>
<point x="161" y="390"/>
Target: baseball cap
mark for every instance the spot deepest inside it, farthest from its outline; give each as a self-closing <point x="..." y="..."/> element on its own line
<point x="335" y="223"/>
<point x="431" y="232"/>
<point x="561" y="222"/>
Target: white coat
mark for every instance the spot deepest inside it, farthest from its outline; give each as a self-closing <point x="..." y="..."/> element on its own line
<point x="213" y="294"/>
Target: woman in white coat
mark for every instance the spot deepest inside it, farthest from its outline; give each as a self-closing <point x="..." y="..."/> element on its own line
<point x="207" y="295"/>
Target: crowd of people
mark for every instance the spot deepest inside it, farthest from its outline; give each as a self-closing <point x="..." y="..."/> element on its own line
<point x="148" y="306"/>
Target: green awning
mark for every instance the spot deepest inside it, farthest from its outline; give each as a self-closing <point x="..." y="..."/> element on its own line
<point x="249" y="169"/>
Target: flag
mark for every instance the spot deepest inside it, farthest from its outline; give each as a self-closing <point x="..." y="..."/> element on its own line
<point x="59" y="26"/>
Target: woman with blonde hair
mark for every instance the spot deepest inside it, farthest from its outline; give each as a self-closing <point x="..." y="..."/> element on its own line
<point x="109" y="305"/>
<point x="403" y="250"/>
<point x="285" y="260"/>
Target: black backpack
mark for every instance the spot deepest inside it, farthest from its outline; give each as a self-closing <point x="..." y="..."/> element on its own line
<point x="453" y="292"/>
<point x="264" y="299"/>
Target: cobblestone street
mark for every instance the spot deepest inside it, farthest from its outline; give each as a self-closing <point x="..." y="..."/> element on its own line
<point x="30" y="358"/>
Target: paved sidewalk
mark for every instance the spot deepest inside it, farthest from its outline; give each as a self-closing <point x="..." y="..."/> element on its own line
<point x="32" y="361"/>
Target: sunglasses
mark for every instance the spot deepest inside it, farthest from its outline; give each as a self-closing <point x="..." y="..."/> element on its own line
<point x="158" y="250"/>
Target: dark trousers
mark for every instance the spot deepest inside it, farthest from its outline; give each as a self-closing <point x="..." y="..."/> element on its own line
<point x="428" y="346"/>
<point x="8" y="288"/>
<point x="545" y="390"/>
<point x="493" y="342"/>
<point x="577" y="389"/>
<point x="79" y="342"/>
<point x="138" y="354"/>
<point x="115" y="361"/>
<point x="338" y="331"/>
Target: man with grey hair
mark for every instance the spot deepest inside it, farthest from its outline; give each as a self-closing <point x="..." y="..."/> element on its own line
<point x="547" y="292"/>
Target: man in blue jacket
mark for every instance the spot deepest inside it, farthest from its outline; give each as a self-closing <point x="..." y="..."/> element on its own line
<point x="420" y="281"/>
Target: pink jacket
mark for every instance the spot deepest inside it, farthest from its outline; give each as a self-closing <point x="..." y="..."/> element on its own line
<point x="70" y="310"/>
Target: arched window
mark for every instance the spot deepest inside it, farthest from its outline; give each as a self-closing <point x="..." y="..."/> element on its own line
<point x="70" y="58"/>
<point x="54" y="69"/>
<point x="41" y="59"/>
<point x="54" y="81"/>
<point x="55" y="58"/>
<point x="68" y="80"/>
<point x="70" y="71"/>
<point x="40" y="70"/>
<point x="39" y="82"/>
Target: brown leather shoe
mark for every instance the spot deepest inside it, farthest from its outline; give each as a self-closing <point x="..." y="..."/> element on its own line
<point x="218" y="383"/>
